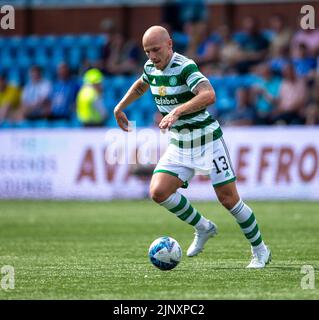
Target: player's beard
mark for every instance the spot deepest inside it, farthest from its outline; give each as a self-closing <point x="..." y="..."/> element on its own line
<point x="163" y="62"/>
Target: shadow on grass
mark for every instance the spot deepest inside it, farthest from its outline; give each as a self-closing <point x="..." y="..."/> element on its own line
<point x="281" y="268"/>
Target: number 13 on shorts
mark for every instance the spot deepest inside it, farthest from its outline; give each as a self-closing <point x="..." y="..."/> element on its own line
<point x="223" y="171"/>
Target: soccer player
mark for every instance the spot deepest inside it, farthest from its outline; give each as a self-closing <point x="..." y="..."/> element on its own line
<point x="182" y="94"/>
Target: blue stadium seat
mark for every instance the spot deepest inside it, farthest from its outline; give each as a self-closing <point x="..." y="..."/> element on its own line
<point x="14" y="43"/>
<point x="24" y="59"/>
<point x="6" y="58"/>
<point x="40" y="124"/>
<point x="6" y="125"/>
<point x="146" y="102"/>
<point x="3" y="68"/>
<point x="230" y="83"/>
<point x="23" y="125"/>
<point x="99" y="40"/>
<point x="3" y="41"/>
<point x="68" y="41"/>
<point x="58" y="56"/>
<point x="14" y="76"/>
<point x="109" y="101"/>
<point x="59" y="124"/>
<point x="74" y="57"/>
<point x="85" y="40"/>
<point x="108" y="83"/>
<point x="137" y="116"/>
<point x="75" y="123"/>
<point x="216" y="81"/>
<point x="93" y="53"/>
<point x="24" y="74"/>
<point x="120" y="86"/>
<point x="225" y="101"/>
<point x="49" y="41"/>
<point x="41" y="57"/>
<point x="49" y="73"/>
<point x="180" y="41"/>
<point x="111" y="122"/>
<point x="32" y="42"/>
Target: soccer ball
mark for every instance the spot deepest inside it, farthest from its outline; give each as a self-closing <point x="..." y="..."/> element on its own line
<point x="165" y="253"/>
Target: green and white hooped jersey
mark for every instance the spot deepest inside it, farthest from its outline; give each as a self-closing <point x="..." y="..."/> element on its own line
<point x="174" y="86"/>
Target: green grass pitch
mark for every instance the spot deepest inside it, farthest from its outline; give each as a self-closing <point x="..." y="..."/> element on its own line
<point x="98" y="250"/>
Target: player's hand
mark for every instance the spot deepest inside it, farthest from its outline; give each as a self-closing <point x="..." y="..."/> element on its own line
<point x="121" y="119"/>
<point x="168" y="121"/>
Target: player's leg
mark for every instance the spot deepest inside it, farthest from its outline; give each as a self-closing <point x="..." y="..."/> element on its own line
<point x="223" y="178"/>
<point x="163" y="190"/>
<point x="163" y="185"/>
<point x="228" y="196"/>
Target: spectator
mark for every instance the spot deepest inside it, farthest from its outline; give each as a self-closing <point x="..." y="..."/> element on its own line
<point x="253" y="45"/>
<point x="35" y="96"/>
<point x="193" y="11"/>
<point x="170" y="15"/>
<point x="120" y="55"/>
<point x="63" y="94"/>
<point x="312" y="110"/>
<point x="305" y="64"/>
<point x="177" y="13"/>
<point x="265" y="93"/>
<point x="180" y="38"/>
<point x="202" y="49"/>
<point x="292" y="98"/>
<point x="229" y="49"/>
<point x="244" y="114"/>
<point x="281" y="35"/>
<point x="309" y="37"/>
<point x="90" y="108"/>
<point x="9" y="100"/>
<point x="279" y="59"/>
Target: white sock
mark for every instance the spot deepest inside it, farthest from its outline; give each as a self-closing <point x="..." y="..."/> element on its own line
<point x="203" y="224"/>
<point x="248" y="224"/>
<point x="181" y="207"/>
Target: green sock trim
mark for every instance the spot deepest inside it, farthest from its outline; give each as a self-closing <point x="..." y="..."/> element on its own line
<point x="186" y="214"/>
<point x="196" y="219"/>
<point x="252" y="233"/>
<point x="180" y="206"/>
<point x="248" y="222"/>
<point x="257" y="242"/>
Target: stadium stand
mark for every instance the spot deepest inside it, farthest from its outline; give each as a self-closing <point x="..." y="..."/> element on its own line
<point x="228" y="65"/>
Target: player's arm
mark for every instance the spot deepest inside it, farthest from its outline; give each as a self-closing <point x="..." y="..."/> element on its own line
<point x="138" y="88"/>
<point x="204" y="96"/>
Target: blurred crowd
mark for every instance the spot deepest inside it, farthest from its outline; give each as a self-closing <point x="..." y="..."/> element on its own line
<point x="261" y="76"/>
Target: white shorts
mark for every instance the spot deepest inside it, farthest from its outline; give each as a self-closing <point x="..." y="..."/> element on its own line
<point x="220" y="171"/>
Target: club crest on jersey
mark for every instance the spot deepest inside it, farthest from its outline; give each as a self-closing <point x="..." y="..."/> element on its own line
<point x="162" y="91"/>
<point x="172" y="81"/>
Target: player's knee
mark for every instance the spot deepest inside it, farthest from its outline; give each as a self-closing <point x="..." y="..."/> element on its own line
<point x="227" y="200"/>
<point x="159" y="194"/>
